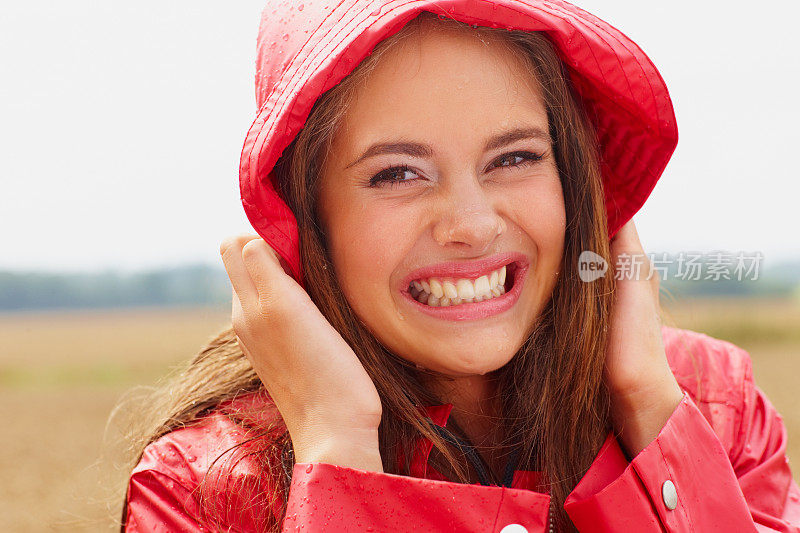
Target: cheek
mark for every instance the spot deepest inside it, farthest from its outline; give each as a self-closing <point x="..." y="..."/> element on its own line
<point x="365" y="248"/>
<point x="542" y="216"/>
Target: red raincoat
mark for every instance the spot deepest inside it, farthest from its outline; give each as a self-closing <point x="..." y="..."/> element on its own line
<point x="723" y="450"/>
<point x="719" y="464"/>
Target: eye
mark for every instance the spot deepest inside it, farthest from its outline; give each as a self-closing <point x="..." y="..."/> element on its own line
<point x="515" y="159"/>
<point x="392" y="176"/>
<point x="403" y="174"/>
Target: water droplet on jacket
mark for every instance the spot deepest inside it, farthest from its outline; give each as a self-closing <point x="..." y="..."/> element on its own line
<point x="376" y="12"/>
<point x="285" y="36"/>
<point x="309" y="468"/>
<point x="301" y="7"/>
<point x="191" y="458"/>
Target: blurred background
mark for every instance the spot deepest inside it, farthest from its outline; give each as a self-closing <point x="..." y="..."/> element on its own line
<point x="122" y="125"/>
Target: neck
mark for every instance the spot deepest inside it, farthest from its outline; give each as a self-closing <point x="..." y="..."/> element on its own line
<point x="476" y="407"/>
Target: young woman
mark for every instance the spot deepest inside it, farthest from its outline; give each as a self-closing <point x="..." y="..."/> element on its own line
<point x="413" y="347"/>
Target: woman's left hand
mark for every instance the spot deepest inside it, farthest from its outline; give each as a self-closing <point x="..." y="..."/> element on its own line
<point x="644" y="392"/>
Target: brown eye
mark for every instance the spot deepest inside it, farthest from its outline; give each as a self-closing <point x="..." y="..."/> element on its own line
<point x="516" y="159"/>
<point x="393" y="175"/>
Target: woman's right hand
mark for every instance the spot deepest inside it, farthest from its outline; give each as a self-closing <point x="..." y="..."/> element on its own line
<point x="327" y="400"/>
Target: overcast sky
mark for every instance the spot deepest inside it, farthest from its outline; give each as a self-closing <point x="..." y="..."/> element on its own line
<point x="122" y="122"/>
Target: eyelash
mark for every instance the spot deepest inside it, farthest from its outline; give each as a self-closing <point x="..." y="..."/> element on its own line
<point x="384" y="176"/>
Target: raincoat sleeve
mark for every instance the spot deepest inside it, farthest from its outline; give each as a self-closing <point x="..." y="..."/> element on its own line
<point x="171" y="490"/>
<point x="325" y="497"/>
<point x="688" y="480"/>
<point x="156" y="501"/>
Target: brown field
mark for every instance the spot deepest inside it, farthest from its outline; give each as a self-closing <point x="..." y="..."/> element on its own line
<point x="61" y="373"/>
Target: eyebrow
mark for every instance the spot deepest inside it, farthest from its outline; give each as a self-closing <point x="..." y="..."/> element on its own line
<point x="424" y="151"/>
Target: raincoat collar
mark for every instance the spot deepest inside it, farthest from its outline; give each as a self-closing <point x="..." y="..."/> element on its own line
<point x="439" y="414"/>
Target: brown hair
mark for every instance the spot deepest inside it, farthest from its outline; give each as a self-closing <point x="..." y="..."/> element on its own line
<point x="553" y="404"/>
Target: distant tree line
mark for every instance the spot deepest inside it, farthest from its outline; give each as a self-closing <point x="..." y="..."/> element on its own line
<point x="188" y="285"/>
<point x="709" y="274"/>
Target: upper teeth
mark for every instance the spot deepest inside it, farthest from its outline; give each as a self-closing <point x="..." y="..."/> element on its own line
<point x="444" y="292"/>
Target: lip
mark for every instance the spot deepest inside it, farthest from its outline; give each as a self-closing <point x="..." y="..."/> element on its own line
<point x="474" y="310"/>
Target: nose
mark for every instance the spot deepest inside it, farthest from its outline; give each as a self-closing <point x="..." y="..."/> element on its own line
<point x="467" y="218"/>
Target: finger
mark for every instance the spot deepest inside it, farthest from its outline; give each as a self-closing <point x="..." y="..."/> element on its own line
<point x="264" y="268"/>
<point x="231" y="252"/>
<point x="237" y="313"/>
<point x="239" y="240"/>
<point x="627" y="241"/>
<point x="237" y="319"/>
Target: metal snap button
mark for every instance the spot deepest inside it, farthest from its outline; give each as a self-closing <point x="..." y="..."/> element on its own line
<point x="669" y="494"/>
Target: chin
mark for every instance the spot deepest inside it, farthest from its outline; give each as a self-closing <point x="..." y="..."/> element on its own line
<point x="474" y="363"/>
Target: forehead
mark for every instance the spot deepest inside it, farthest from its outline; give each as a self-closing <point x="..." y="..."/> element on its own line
<point x="446" y="78"/>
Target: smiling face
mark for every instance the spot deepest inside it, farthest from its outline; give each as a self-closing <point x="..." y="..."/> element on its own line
<point x="441" y="173"/>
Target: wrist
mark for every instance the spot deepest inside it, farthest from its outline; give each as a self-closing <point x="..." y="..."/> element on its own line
<point x="358" y="450"/>
<point x="639" y="418"/>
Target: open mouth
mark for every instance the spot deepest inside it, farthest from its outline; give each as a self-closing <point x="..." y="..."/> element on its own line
<point x="447" y="292"/>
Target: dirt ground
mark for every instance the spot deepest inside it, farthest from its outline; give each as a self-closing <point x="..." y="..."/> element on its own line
<point x="61" y="373"/>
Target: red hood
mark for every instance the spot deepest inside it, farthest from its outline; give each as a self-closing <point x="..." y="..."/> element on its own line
<point x="304" y="49"/>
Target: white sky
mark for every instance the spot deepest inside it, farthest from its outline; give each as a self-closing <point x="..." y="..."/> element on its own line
<point x="121" y="125"/>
